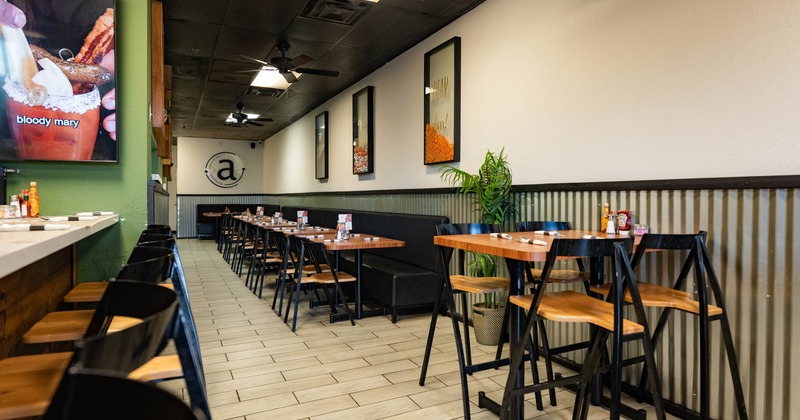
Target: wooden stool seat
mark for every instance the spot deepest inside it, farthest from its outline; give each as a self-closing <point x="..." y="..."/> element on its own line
<point x="654" y="295"/>
<point x="28" y="383"/>
<point x="479" y="285"/>
<point x="309" y="270"/>
<point x="569" y="306"/>
<point x="92" y="291"/>
<point x="70" y="326"/>
<point x="159" y="368"/>
<point x="561" y="276"/>
<point x="327" y="278"/>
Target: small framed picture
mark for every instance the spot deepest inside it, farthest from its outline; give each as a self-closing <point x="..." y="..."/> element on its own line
<point x="363" y="131"/>
<point x="321" y="146"/>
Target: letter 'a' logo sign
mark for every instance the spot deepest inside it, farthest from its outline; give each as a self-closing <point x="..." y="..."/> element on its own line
<point x="225" y="170"/>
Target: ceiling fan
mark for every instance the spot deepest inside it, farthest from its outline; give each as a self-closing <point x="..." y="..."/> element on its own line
<point x="242" y="118"/>
<point x="288" y="66"/>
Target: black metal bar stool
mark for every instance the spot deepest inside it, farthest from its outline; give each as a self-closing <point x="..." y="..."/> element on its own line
<point x="606" y="316"/>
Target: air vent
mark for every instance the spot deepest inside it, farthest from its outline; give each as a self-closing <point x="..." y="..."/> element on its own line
<point x="338" y="11"/>
<point x="264" y="91"/>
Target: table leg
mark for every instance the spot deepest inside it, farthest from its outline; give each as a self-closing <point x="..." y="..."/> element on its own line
<point x="516" y="270"/>
<point x="359" y="308"/>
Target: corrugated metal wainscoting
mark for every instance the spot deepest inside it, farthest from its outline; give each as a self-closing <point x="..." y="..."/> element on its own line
<point x="754" y="244"/>
<point x="187" y="209"/>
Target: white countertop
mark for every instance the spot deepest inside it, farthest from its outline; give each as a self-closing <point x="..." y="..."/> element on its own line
<point x="19" y="249"/>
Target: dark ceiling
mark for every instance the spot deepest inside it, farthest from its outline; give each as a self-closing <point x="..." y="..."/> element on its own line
<point x="204" y="41"/>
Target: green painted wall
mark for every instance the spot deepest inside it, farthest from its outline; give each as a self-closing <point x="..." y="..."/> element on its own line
<point x="121" y="187"/>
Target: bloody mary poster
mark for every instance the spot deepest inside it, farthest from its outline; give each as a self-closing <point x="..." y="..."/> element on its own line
<point x="57" y="71"/>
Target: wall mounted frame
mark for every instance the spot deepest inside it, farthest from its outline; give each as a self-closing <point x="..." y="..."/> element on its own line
<point x="443" y="103"/>
<point x="363" y="130"/>
<point x="321" y="146"/>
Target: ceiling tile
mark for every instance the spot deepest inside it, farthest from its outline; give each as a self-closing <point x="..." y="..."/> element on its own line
<point x="190" y="38"/>
<point x="186" y="67"/>
<point x="233" y="41"/>
<point x="208" y="11"/>
<point x="263" y="16"/>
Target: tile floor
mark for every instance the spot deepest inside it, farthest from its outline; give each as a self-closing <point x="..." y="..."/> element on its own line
<point x="256" y="368"/>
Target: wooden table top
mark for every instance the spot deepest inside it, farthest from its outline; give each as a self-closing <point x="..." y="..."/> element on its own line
<point x="513" y="248"/>
<point x="218" y="213"/>
<point x="358" y="241"/>
<point x="310" y="231"/>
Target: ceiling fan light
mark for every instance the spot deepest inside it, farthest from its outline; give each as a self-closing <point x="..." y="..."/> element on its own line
<point x="269" y="77"/>
<point x="232" y="119"/>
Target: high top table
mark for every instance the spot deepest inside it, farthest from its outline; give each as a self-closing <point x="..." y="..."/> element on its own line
<point x="37" y="268"/>
<point x="516" y="254"/>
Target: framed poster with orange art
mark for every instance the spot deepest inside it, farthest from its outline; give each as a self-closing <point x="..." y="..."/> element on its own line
<point x="443" y="103"/>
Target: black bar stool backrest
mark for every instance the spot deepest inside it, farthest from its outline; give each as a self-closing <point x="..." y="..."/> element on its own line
<point x="669" y="242"/>
<point x="461" y="229"/>
<point x="530" y="226"/>
<point x="161" y="229"/>
<point x="125" y="350"/>
<point x="153" y="304"/>
<point x="151" y="265"/>
<point x="159" y="243"/>
<point x="96" y="396"/>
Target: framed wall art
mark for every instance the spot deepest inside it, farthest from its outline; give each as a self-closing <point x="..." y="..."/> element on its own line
<point x="321" y="146"/>
<point x="443" y="103"/>
<point x="49" y="111"/>
<point x="363" y="129"/>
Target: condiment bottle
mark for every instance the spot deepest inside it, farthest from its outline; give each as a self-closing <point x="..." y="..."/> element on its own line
<point x="14" y="202"/>
<point x="610" y="225"/>
<point x="24" y="205"/>
<point x="33" y="199"/>
<point x="604" y="219"/>
<point x="624" y="222"/>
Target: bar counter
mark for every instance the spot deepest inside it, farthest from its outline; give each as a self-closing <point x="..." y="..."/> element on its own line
<point x="37" y="268"/>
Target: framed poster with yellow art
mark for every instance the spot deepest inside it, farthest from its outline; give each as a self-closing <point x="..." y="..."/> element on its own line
<point x="443" y="103"/>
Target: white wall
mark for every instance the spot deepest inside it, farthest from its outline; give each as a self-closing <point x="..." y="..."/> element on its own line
<point x="193" y="153"/>
<point x="583" y="91"/>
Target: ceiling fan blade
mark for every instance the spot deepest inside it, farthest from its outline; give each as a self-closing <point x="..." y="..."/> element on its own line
<point x="300" y="60"/>
<point x="263" y="119"/>
<point x="317" y="72"/>
<point x="253" y="59"/>
<point x="251" y="122"/>
<point x="289" y="76"/>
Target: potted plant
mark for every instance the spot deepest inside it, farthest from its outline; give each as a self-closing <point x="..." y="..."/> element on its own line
<point x="490" y="190"/>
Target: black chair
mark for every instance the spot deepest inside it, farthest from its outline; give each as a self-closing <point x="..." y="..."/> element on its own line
<point x="323" y="276"/>
<point x="267" y="257"/>
<point x="560" y="276"/>
<point x="135" y="268"/>
<point x="187" y="344"/>
<point x="462" y="284"/>
<point x="153" y="266"/>
<point x="676" y="298"/>
<point x="606" y="318"/>
<point x="29" y="383"/>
